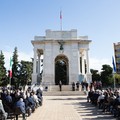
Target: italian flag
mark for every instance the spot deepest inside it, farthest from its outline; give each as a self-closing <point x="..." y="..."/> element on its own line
<point x="10" y="68"/>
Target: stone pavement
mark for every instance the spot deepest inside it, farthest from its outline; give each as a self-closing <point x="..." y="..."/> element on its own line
<point x="68" y="108"/>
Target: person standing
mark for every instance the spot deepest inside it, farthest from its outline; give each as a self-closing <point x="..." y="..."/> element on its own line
<point x="60" y="85"/>
<point x="77" y="85"/>
<point x="73" y="86"/>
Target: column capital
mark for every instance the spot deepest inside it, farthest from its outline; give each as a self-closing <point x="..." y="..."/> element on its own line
<point x="39" y="52"/>
<point x="81" y="53"/>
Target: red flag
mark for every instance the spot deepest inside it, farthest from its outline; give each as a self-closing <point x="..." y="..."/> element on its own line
<point x="60" y="14"/>
<point x="10" y="74"/>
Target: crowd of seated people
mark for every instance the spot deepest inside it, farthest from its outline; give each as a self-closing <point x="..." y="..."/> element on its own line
<point x="108" y="100"/>
<point x="17" y="101"/>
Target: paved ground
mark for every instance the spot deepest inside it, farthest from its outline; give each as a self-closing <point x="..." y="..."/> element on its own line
<point x="68" y="108"/>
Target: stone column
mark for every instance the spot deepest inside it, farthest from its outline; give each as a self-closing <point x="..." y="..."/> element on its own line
<point x="74" y="65"/>
<point x="34" y="75"/>
<point x="39" y="63"/>
<point x="88" y="74"/>
<point x="82" y="74"/>
<point x="79" y="62"/>
<point x="83" y="65"/>
<point x="87" y="61"/>
<point x="34" y="61"/>
<point x="38" y="71"/>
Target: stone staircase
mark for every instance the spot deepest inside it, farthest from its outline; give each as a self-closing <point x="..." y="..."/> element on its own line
<point x="56" y="87"/>
<point x="63" y="93"/>
<point x="53" y="90"/>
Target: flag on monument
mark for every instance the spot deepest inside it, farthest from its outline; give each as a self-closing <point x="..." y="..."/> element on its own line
<point x="60" y="14"/>
<point x="114" y="67"/>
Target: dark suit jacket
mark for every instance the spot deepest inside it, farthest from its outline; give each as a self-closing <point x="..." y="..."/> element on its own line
<point x="21" y="105"/>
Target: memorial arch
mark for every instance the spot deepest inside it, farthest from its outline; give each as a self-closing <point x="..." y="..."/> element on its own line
<point x="60" y="55"/>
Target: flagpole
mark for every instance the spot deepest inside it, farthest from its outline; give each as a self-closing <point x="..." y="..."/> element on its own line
<point x="114" y="80"/>
<point x="10" y="81"/>
<point x="61" y="20"/>
<point x="10" y="71"/>
<point x="61" y="24"/>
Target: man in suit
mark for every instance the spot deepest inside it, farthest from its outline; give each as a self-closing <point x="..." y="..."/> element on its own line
<point x="21" y="105"/>
<point x="60" y="85"/>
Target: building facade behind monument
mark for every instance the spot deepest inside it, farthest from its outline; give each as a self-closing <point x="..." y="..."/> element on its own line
<point x="57" y="46"/>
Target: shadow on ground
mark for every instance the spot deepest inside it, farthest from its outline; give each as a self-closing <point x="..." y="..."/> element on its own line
<point x="86" y="110"/>
<point x="90" y="112"/>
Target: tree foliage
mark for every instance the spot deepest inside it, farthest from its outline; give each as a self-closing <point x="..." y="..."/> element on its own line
<point x="106" y="75"/>
<point x="15" y="80"/>
<point x="25" y="71"/>
<point x="117" y="78"/>
<point x="21" y="71"/>
<point x="3" y="76"/>
<point x="95" y="75"/>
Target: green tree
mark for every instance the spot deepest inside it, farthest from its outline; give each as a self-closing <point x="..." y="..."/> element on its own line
<point x="3" y="76"/>
<point x="106" y="75"/>
<point x="95" y="75"/>
<point x="117" y="78"/>
<point x="15" y="80"/>
<point x="25" y="71"/>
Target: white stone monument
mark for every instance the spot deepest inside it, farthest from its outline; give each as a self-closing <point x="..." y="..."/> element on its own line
<point x="60" y="55"/>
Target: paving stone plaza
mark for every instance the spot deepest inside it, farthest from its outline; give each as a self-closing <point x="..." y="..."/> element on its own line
<point x="68" y="108"/>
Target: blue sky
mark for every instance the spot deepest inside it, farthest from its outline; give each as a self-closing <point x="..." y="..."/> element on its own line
<point x="21" y="20"/>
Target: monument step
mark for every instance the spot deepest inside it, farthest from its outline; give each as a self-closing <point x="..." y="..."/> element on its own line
<point x="56" y="88"/>
<point x="63" y="93"/>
